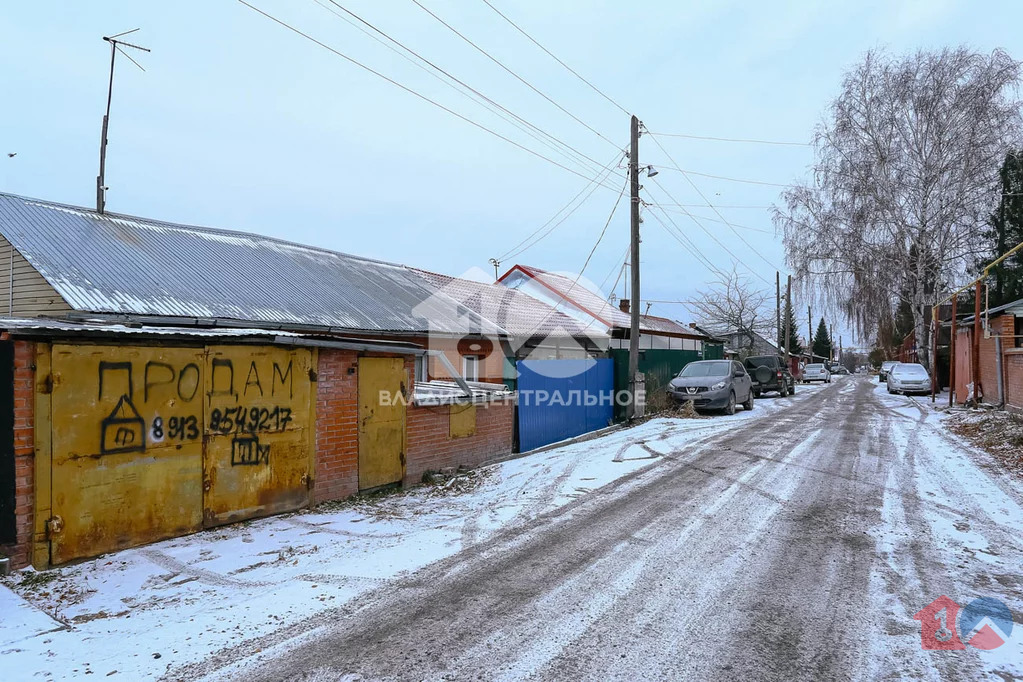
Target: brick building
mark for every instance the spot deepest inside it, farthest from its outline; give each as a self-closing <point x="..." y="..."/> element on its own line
<point x="1001" y="357"/>
<point x="148" y="361"/>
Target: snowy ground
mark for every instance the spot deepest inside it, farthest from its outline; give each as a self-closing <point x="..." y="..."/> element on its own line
<point x="795" y="546"/>
<point x="140" y="613"/>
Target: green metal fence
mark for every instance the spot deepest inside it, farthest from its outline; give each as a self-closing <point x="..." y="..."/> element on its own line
<point x="658" y="366"/>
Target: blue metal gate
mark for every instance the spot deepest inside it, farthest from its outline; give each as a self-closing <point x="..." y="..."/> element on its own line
<point x="559" y="399"/>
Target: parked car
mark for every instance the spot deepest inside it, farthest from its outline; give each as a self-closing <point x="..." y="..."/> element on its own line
<point x="908" y="377"/>
<point x="882" y="375"/>
<point x="713" y="385"/>
<point x="769" y="373"/>
<point x="816" y="372"/>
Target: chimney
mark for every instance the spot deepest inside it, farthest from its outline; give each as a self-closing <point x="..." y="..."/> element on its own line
<point x="623" y="304"/>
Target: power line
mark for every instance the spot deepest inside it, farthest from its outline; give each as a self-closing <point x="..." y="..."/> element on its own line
<point x="596" y="182"/>
<point x="729" y="206"/>
<point x="465" y="85"/>
<point x="722" y="177"/>
<point x="620" y="269"/>
<point x="600" y="238"/>
<point x="731" y="139"/>
<point x="718" y="213"/>
<point x="679" y="235"/>
<point x="517" y="76"/>
<point x="555" y="58"/>
<point x="410" y="90"/>
<point x="714" y="220"/>
<point x="690" y="247"/>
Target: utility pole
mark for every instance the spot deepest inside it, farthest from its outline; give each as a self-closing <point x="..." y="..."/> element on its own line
<point x="115" y="47"/>
<point x="630" y="410"/>
<point x="777" y="307"/>
<point x="952" y="356"/>
<point x="809" y="336"/>
<point x="788" y="317"/>
<point x="976" y="346"/>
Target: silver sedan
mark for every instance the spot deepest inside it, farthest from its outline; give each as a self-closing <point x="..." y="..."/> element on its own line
<point x="816" y="372"/>
<point x="909" y="377"/>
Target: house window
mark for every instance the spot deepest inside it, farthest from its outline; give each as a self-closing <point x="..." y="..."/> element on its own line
<point x="1017" y="330"/>
<point x="422" y="373"/>
<point x="471" y="367"/>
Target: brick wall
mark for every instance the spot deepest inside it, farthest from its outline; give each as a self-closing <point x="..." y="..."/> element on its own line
<point x="24" y="452"/>
<point x="430" y="446"/>
<point x="337" y="423"/>
<point x="1012" y="364"/>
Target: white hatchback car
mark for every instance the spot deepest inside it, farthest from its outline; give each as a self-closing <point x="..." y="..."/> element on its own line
<point x="909" y="377"/>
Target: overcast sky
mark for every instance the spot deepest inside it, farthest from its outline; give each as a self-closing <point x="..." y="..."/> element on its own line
<point x="240" y="124"/>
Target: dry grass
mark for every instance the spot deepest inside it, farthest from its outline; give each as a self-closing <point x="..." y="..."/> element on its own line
<point x="1000" y="433"/>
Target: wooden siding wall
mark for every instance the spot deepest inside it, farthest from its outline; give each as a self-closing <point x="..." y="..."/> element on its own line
<point x="33" y="295"/>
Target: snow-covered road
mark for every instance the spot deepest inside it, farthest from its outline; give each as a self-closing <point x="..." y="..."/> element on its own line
<point x="793" y="542"/>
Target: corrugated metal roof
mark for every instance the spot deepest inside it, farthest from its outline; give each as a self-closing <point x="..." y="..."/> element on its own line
<point x="515" y="311"/>
<point x="595" y="304"/>
<point x="113" y="263"/>
<point x="652" y="323"/>
<point x="41" y="327"/>
<point x="448" y="392"/>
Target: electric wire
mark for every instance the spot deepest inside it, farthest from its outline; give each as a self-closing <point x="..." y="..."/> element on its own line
<point x="589" y="256"/>
<point x="517" y="76"/>
<point x="449" y="75"/>
<point x="729" y="206"/>
<point x="555" y="58"/>
<point x="616" y="268"/>
<point x="673" y="209"/>
<point x="688" y="244"/>
<point x="410" y="90"/>
<point x="716" y="212"/>
<point x="732" y="139"/>
<point x="596" y="182"/>
<point x="722" y="177"/>
<point x="710" y="234"/>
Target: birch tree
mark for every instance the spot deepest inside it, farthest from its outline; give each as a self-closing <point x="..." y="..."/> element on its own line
<point x="733" y="304"/>
<point x="905" y="174"/>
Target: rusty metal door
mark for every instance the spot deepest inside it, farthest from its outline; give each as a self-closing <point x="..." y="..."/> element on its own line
<point x="382" y="384"/>
<point x="126" y="426"/>
<point x="259" y="423"/>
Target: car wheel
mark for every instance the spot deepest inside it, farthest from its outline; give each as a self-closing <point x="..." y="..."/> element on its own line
<point x="756" y="394"/>
<point x="748" y="405"/>
<point x="890" y="390"/>
<point x="792" y="389"/>
<point x="730" y="407"/>
<point x="784" y="390"/>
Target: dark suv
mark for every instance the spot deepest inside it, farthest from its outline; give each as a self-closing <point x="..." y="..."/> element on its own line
<point x="769" y="373"/>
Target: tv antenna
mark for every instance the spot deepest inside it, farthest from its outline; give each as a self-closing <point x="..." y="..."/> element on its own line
<point x="115" y="47"/>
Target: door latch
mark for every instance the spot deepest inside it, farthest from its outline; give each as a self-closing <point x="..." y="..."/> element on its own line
<point x="54" y="526"/>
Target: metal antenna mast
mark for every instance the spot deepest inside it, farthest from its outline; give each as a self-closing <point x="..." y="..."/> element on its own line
<point x="115" y="47"/>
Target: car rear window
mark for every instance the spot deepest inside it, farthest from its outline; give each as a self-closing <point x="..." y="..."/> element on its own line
<point x="817" y="366"/>
<point x="762" y="361"/>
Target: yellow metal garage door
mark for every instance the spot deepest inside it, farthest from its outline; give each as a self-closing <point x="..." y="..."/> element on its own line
<point x="382" y="384"/>
<point x="259" y="420"/>
<point x="126" y="446"/>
